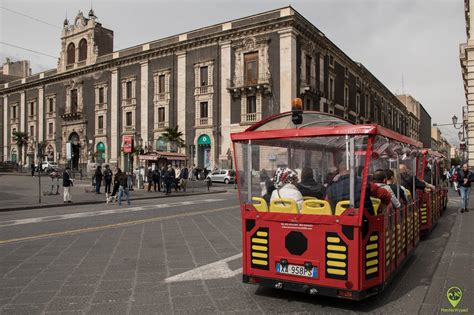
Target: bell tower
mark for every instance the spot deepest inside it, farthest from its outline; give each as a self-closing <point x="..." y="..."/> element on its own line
<point x="83" y="41"/>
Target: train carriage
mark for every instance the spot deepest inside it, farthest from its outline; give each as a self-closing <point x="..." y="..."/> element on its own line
<point x="347" y="248"/>
<point x="432" y="201"/>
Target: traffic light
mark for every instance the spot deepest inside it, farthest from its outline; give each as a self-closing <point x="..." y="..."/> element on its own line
<point x="297" y="111"/>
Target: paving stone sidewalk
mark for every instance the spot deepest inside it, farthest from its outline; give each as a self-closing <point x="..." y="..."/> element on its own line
<point x="20" y="192"/>
<point x="455" y="269"/>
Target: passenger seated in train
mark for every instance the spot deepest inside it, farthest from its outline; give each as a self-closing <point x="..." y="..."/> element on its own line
<point x="308" y="186"/>
<point x="269" y="188"/>
<point x="407" y="180"/>
<point x="392" y="182"/>
<point x="285" y="180"/>
<point x="380" y="178"/>
<point x="339" y="189"/>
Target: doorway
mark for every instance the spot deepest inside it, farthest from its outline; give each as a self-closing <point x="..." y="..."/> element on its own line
<point x="204" y="152"/>
<point x="75" y="150"/>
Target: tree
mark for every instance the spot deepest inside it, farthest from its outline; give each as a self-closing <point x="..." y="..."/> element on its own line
<point x="21" y="139"/>
<point x="174" y="137"/>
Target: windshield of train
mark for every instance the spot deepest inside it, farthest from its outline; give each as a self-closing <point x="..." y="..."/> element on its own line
<point x="325" y="168"/>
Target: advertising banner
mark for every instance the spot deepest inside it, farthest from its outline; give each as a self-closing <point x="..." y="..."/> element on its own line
<point x="127" y="146"/>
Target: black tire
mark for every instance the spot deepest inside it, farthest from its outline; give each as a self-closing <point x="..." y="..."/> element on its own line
<point x="226" y="181"/>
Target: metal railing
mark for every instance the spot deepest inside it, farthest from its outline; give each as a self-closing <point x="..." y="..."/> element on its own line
<point x="161" y="124"/>
<point x="129" y="102"/>
<point x="99" y="131"/>
<point x="243" y="81"/>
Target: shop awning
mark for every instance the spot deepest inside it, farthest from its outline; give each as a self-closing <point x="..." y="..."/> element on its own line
<point x="155" y="156"/>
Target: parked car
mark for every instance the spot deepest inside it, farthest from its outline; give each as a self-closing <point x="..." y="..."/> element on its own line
<point x="49" y="166"/>
<point x="222" y="176"/>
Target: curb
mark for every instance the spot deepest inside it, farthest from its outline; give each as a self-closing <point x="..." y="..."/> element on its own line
<point x="57" y="205"/>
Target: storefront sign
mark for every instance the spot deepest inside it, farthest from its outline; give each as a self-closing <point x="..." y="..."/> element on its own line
<point x="127" y="146"/>
<point x="204" y="140"/>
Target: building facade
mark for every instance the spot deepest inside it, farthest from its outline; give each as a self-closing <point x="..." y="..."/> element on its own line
<point x="208" y="83"/>
<point x="466" y="56"/>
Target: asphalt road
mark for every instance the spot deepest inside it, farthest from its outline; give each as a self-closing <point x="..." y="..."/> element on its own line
<point x="158" y="256"/>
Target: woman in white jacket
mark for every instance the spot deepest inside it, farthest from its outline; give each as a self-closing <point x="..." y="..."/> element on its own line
<point x="285" y="180"/>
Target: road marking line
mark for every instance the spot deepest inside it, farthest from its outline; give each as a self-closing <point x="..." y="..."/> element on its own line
<point x="103" y="212"/>
<point x="111" y="226"/>
<point x="216" y="270"/>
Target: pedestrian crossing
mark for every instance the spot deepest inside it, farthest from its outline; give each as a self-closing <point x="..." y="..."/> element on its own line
<point x="105" y="212"/>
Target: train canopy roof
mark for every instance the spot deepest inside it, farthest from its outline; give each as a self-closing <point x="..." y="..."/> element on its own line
<point x="315" y="124"/>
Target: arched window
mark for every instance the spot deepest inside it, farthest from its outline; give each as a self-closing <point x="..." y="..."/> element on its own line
<point x="82" y="49"/>
<point x="71" y="53"/>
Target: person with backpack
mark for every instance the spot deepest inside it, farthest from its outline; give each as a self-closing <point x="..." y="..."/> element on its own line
<point x="465" y="177"/>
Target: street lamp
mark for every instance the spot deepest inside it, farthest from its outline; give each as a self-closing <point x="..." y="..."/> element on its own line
<point x="460" y="136"/>
<point x="455" y="120"/>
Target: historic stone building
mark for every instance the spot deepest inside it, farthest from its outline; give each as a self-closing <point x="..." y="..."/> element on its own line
<point x="209" y="82"/>
<point x="466" y="56"/>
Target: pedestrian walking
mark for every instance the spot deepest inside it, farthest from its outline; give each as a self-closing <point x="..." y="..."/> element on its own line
<point x="162" y="178"/>
<point x="107" y="179"/>
<point x="156" y="179"/>
<point x="67" y="184"/>
<point x="168" y="179"/>
<point x="98" y="179"/>
<point x="184" y="178"/>
<point x="118" y="173"/>
<point x="177" y="174"/>
<point x="123" y="189"/>
<point x="55" y="182"/>
<point x="149" y="178"/>
<point x="465" y="177"/>
<point x="32" y="169"/>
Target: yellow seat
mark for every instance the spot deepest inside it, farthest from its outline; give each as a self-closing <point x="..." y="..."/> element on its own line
<point x="260" y="204"/>
<point x="316" y="206"/>
<point x="341" y="206"/>
<point x="309" y="198"/>
<point x="376" y="204"/>
<point x="408" y="193"/>
<point x="283" y="205"/>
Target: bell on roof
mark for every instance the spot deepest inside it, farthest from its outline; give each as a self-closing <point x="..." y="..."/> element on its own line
<point x="66" y="22"/>
<point x="91" y="13"/>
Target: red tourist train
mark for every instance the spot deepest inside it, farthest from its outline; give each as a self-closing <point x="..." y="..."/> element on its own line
<point x="342" y="244"/>
<point x="432" y="201"/>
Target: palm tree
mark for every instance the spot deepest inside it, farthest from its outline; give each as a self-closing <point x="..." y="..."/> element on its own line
<point x="174" y="137"/>
<point x="21" y="139"/>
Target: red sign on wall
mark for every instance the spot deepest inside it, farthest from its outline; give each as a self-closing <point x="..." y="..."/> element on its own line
<point x="127" y="144"/>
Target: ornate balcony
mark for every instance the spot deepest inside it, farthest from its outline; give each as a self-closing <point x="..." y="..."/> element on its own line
<point x="129" y="102"/>
<point x="72" y="116"/>
<point x="204" y="121"/>
<point x="237" y="85"/>
<point x="100" y="106"/>
<point x="250" y="117"/>
<point x="202" y="90"/>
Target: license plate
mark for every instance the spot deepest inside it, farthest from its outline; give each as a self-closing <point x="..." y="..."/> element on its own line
<point x="297" y="270"/>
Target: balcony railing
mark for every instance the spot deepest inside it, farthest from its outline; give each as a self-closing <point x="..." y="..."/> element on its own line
<point x="128" y="128"/>
<point x="161" y="96"/>
<point x="161" y="125"/>
<point x="262" y="81"/>
<point x="250" y="117"/>
<point x="100" y="132"/>
<point x="201" y="90"/>
<point x="50" y="114"/>
<point x="51" y="136"/>
<point x="203" y="121"/>
<point x="100" y="106"/>
<point x="129" y="102"/>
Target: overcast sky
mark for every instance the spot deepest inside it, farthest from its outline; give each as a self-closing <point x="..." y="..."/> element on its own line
<point x="414" y="39"/>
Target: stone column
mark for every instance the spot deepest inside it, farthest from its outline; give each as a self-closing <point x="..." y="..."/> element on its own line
<point x="6" y="130"/>
<point x="287" y="68"/>
<point x="181" y="93"/>
<point x="41" y="114"/>
<point x="144" y="102"/>
<point x="226" y="73"/>
<point x="321" y="81"/>
<point x="114" y="134"/>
